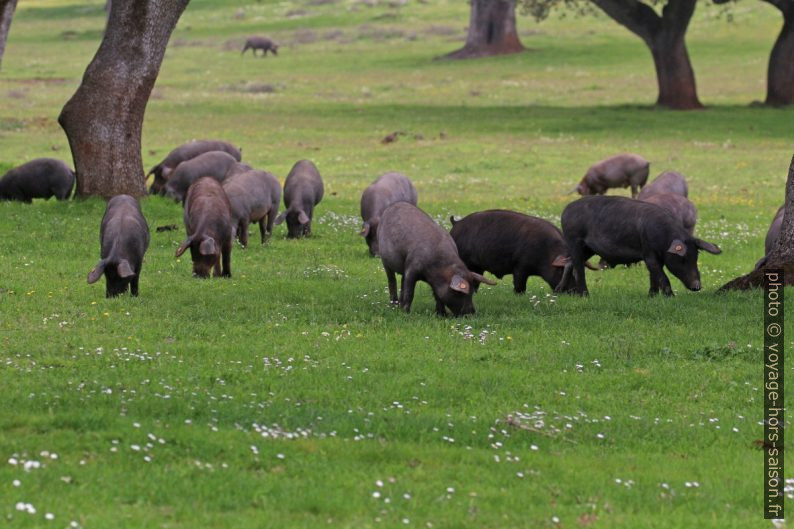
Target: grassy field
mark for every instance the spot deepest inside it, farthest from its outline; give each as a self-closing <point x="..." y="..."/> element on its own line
<point x="293" y="395"/>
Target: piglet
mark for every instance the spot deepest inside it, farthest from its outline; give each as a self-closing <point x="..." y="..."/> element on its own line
<point x="210" y="231"/>
<point x="303" y="189"/>
<point x="186" y="151"/>
<point x="414" y="246"/>
<point x="123" y="238"/>
<point x="622" y="170"/>
<point x="382" y="193"/>
<point x="254" y="197"/>
<point x="39" y="178"/>
<point x="214" y="163"/>
<point x="666" y="182"/>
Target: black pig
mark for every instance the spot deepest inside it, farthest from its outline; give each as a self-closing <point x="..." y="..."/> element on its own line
<point x="184" y="152"/>
<point x="623" y="231"/>
<point x="260" y="43"/>
<point x="667" y="182"/>
<point x="39" y="178"/>
<point x="507" y="242"/>
<point x="254" y="197"/>
<point x="414" y="246"/>
<point x="303" y="189"/>
<point x="382" y="193"/>
<point x="208" y="222"/>
<point x="771" y="236"/>
<point x="214" y="163"/>
<point x="622" y="170"/>
<point x="124" y="238"/>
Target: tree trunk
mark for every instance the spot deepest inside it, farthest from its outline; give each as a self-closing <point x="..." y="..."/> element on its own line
<point x="782" y="255"/>
<point x="664" y="36"/>
<point x="492" y="30"/>
<point x="103" y="119"/>
<point x="674" y="73"/>
<point x="780" y="74"/>
<point x="7" y="8"/>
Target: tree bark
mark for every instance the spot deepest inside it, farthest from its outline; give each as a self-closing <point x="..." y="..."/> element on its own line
<point x="780" y="73"/>
<point x="7" y="8"/>
<point x="103" y="119"/>
<point x="664" y="36"/>
<point x="782" y="255"/>
<point x="492" y="30"/>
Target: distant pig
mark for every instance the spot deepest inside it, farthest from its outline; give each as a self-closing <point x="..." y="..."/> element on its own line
<point x="681" y="208"/>
<point x="414" y="246"/>
<point x="667" y="182"/>
<point x="382" y="193"/>
<point x="624" y="231"/>
<point x="260" y="43"/>
<point x="123" y="238"/>
<point x="623" y="170"/>
<point x="39" y="178"/>
<point x="184" y="152"/>
<point x="210" y="231"/>
<point x="254" y="197"/>
<point x="303" y="189"/>
<point x="771" y="236"/>
<point x="214" y="164"/>
<point x="507" y="242"/>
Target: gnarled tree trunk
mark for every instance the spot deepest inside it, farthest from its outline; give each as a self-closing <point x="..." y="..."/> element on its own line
<point x="664" y="36"/>
<point x="780" y="74"/>
<point x="103" y="119"/>
<point x="492" y="30"/>
<point x="782" y="255"/>
<point x="7" y="8"/>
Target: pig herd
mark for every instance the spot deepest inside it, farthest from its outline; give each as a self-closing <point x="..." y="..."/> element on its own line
<point x="221" y="196"/>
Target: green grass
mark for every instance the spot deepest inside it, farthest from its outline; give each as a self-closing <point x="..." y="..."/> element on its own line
<point x="284" y="396"/>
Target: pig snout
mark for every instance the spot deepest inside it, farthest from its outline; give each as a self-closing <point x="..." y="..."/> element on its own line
<point x="695" y="285"/>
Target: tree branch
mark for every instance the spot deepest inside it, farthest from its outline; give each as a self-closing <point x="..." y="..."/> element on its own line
<point x="786" y="6"/>
<point x="637" y="17"/>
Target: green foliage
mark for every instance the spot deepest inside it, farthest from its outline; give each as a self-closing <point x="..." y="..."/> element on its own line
<point x="293" y="395"/>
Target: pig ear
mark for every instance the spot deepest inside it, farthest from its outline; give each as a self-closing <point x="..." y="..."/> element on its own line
<point x="710" y="248"/>
<point x="560" y="261"/>
<point x="459" y="284"/>
<point x="303" y="218"/>
<point x="208" y="247"/>
<point x="124" y="269"/>
<point x="96" y="273"/>
<point x="184" y="246"/>
<point x="364" y="230"/>
<point x="482" y="279"/>
<point x="280" y="218"/>
<point x="677" y="247"/>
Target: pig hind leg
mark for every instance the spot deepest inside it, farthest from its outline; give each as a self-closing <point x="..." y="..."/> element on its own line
<point x="392" y="280"/>
<point x="263" y="230"/>
<point x="408" y="285"/>
<point x="579" y="254"/>
<point x="242" y="232"/>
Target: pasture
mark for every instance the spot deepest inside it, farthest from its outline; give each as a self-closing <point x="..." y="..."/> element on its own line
<point x="293" y="394"/>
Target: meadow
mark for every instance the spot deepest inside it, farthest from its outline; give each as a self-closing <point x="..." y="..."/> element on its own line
<point x="293" y="394"/>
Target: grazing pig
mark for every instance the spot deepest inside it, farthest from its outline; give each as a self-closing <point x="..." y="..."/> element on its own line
<point x="507" y="242"/>
<point x="208" y="222"/>
<point x="771" y="236"/>
<point x="382" y="193"/>
<point x="236" y="169"/>
<point x="623" y="231"/>
<point x="254" y="197"/>
<point x="184" y="152"/>
<point x="39" y="178"/>
<point x="623" y="170"/>
<point x="681" y="208"/>
<point x="260" y="43"/>
<point x="303" y="189"/>
<point x="667" y="182"/>
<point x="414" y="246"/>
<point x="124" y="238"/>
<point x="214" y="163"/>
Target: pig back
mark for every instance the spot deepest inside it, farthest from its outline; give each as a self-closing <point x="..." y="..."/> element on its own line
<point x="386" y="190"/>
<point x="207" y="210"/>
<point x="667" y="182"/>
<point x="303" y="186"/>
<point x="406" y="233"/>
<point x="774" y="231"/>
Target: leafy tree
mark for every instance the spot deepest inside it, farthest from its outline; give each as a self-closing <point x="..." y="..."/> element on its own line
<point x="492" y="30"/>
<point x="663" y="34"/>
<point x="7" y="8"/>
<point x="103" y="119"/>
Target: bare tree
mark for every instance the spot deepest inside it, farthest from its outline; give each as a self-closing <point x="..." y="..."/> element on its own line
<point x="492" y="30"/>
<point x="7" y="8"/>
<point x="103" y="119"/>
<point x="782" y="255"/>
<point x="663" y="34"/>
